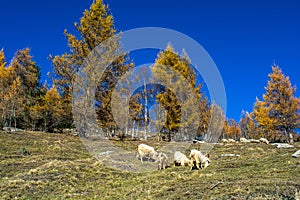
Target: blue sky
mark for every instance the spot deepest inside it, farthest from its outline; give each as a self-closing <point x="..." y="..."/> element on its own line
<point x="244" y="38"/>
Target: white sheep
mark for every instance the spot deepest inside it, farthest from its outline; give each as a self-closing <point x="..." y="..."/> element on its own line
<point x="146" y="151"/>
<point x="181" y="159"/>
<point x="224" y="140"/>
<point x="244" y="140"/>
<point x="162" y="160"/>
<point x="264" y="140"/>
<point x="231" y="141"/>
<point x="199" y="158"/>
<point x="254" y="141"/>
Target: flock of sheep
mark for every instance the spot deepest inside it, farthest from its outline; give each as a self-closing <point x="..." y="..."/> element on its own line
<point x="196" y="158"/>
<point x="244" y="140"/>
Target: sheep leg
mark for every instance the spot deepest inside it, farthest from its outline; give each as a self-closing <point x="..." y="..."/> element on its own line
<point x="139" y="156"/>
<point x="175" y="163"/>
<point x="192" y="164"/>
<point x="192" y="167"/>
<point x="159" y="165"/>
<point x="197" y="165"/>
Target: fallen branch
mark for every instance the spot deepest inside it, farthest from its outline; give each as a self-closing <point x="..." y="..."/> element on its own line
<point x="215" y="185"/>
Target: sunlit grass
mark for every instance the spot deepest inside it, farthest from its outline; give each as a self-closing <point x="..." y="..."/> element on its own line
<point x="60" y="167"/>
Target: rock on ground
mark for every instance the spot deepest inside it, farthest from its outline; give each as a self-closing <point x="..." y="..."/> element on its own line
<point x="296" y="154"/>
<point x="282" y="145"/>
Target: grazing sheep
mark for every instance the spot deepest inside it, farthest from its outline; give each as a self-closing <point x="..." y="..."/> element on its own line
<point x="162" y="160"/>
<point x="181" y="159"/>
<point x="264" y="140"/>
<point x="146" y="151"/>
<point x="224" y="140"/>
<point x="199" y="158"/>
<point x="254" y="141"/>
<point x="244" y="140"/>
<point x="231" y="141"/>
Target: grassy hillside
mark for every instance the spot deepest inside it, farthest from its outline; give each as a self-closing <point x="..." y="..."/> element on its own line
<point x="60" y="167"/>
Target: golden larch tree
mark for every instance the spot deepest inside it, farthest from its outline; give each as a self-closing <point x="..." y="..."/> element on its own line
<point x="277" y="114"/>
<point x="169" y="66"/>
<point x="29" y="74"/>
<point x="15" y="99"/>
<point x="95" y="27"/>
<point x="19" y="88"/>
<point x="51" y="109"/>
<point x="231" y="129"/>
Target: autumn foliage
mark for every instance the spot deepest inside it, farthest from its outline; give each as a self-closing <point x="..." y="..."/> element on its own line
<point x="27" y="103"/>
<point x="277" y="115"/>
<point x="177" y="69"/>
<point x="21" y="93"/>
<point x="231" y="129"/>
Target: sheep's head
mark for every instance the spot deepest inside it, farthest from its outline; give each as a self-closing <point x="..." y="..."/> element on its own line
<point x="205" y="163"/>
<point x="192" y="154"/>
<point x="155" y="155"/>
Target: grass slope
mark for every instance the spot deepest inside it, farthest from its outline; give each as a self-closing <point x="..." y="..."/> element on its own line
<point x="60" y="167"/>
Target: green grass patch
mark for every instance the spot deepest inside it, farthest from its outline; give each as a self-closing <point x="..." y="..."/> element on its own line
<point x="60" y="167"/>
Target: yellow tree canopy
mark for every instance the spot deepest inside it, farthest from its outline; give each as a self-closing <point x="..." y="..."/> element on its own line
<point x="277" y="114"/>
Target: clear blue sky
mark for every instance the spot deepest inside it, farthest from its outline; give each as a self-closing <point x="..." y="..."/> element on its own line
<point x="242" y="37"/>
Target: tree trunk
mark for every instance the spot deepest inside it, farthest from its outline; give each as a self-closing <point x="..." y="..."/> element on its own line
<point x="169" y="136"/>
<point x="2" y="119"/>
<point x="15" y="120"/>
<point x="132" y="130"/>
<point x="291" y="137"/>
<point x="10" y="120"/>
<point x="45" y="124"/>
<point x="288" y="136"/>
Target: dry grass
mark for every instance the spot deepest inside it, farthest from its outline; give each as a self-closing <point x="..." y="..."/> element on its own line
<point x="60" y="167"/>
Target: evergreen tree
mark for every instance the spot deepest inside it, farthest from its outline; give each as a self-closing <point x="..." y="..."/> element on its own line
<point x="36" y="115"/>
<point x="277" y="114"/>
